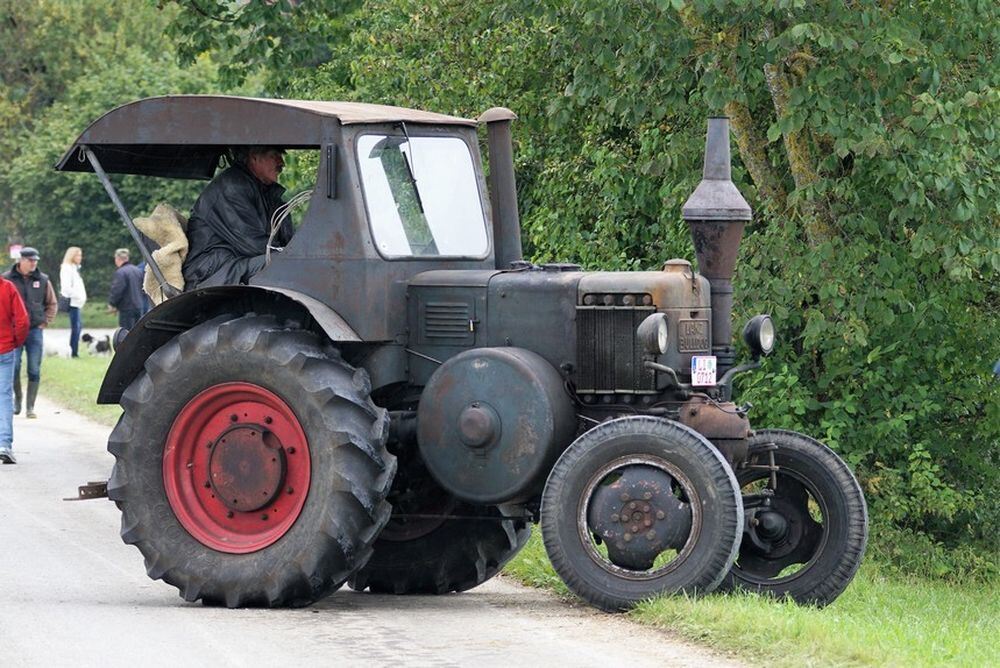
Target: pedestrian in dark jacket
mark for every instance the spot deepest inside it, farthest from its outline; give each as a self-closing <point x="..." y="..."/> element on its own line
<point x="126" y="290"/>
<point x="40" y="302"/>
<point x="14" y="327"/>
<point x="230" y="224"/>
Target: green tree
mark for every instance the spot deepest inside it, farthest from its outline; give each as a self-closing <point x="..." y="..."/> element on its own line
<point x="866" y="145"/>
<point x="46" y="45"/>
<point x="56" y="209"/>
<point x="281" y="38"/>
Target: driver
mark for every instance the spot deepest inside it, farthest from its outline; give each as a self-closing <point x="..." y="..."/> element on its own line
<point x="230" y="223"/>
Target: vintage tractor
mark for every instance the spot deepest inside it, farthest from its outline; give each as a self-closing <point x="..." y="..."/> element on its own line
<point x="399" y="395"/>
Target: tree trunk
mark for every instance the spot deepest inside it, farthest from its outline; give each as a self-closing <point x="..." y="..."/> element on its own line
<point x="815" y="217"/>
<point x="749" y="142"/>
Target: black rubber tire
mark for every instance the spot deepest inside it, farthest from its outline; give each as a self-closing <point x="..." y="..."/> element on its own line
<point x="456" y="556"/>
<point x="351" y="469"/>
<point x="656" y="440"/>
<point x="836" y="558"/>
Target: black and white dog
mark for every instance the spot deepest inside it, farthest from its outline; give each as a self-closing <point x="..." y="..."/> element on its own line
<point x="97" y="346"/>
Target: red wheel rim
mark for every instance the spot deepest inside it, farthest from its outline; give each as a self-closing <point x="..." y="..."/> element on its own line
<point x="236" y="467"/>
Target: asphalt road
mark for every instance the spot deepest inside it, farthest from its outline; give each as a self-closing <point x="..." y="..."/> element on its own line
<point x="72" y="594"/>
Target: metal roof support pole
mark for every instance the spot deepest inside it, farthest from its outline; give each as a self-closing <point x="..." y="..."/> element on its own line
<point x="168" y="290"/>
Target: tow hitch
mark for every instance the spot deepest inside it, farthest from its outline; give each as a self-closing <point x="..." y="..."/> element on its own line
<point x="92" y="490"/>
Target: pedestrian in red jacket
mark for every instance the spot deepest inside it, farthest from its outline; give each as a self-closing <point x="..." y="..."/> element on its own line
<point x="14" y="325"/>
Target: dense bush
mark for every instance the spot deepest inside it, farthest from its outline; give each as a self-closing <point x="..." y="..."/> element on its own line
<point x="875" y="243"/>
<point x="864" y="138"/>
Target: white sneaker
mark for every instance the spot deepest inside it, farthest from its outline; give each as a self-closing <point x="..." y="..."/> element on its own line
<point x="6" y="456"/>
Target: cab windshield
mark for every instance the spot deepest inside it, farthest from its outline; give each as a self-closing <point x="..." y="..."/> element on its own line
<point x="422" y="196"/>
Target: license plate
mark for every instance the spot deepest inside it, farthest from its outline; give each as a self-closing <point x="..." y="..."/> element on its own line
<point x="702" y="370"/>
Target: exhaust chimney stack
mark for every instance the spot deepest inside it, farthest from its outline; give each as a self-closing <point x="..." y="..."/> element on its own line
<point x="716" y="213"/>
<point x="503" y="187"/>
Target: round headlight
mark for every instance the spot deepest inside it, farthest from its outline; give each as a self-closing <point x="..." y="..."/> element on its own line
<point x="759" y="334"/>
<point x="653" y="334"/>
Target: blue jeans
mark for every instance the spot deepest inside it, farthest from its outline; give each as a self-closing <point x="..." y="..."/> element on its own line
<point x="34" y="347"/>
<point x="75" y="325"/>
<point x="7" y="399"/>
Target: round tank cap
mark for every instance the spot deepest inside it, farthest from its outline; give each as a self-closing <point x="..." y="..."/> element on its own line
<point x="677" y="265"/>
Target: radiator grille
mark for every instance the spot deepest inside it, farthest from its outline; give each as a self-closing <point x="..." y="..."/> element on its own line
<point x="447" y="323"/>
<point x="608" y="356"/>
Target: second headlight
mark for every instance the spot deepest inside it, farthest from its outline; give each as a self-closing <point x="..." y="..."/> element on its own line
<point x="759" y="334"/>
<point x="654" y="334"/>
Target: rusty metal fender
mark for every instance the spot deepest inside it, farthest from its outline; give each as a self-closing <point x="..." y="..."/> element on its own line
<point x="721" y="423"/>
<point x="181" y="313"/>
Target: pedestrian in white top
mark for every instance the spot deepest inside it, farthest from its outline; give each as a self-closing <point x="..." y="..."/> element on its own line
<point x="71" y="288"/>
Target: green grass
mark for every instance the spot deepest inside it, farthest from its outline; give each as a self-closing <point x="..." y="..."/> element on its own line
<point x="95" y="315"/>
<point x="880" y="620"/>
<point x="74" y="383"/>
<point x="883" y="619"/>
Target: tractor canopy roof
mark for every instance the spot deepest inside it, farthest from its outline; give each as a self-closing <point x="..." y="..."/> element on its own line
<point x="183" y="136"/>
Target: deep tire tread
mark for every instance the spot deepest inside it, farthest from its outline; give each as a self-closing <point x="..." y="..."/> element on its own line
<point x="331" y="388"/>
<point x="824" y="585"/>
<point x="455" y="557"/>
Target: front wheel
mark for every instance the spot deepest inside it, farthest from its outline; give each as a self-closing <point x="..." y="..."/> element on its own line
<point x="638" y="507"/>
<point x="251" y="467"/>
<point x="806" y="520"/>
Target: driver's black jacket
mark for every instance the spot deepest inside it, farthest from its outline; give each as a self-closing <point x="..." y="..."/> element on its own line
<point x="229" y="228"/>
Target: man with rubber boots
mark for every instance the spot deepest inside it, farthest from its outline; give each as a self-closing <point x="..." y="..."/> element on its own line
<point x="39" y="299"/>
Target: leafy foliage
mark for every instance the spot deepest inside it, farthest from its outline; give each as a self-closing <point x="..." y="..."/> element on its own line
<point x="866" y="145"/>
<point x="59" y="209"/>
<point x="59" y="82"/>
<point x="280" y="37"/>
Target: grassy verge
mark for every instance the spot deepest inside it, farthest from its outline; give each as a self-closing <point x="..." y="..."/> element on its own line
<point x="95" y="316"/>
<point x="74" y="383"/>
<point x="883" y="619"/>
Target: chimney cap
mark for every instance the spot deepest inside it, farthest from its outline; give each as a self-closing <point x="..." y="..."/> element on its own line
<point x="494" y="114"/>
<point x="716" y="200"/>
<point x="717" y="197"/>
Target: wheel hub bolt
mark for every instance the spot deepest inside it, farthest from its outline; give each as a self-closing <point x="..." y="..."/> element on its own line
<point x="660" y="514"/>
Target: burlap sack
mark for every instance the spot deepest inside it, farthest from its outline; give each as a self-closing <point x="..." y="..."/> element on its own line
<point x="168" y="228"/>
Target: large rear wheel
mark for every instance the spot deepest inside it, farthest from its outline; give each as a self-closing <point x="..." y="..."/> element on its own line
<point x="806" y="520"/>
<point x="434" y="543"/>
<point x="251" y="467"/>
<point x="638" y="507"/>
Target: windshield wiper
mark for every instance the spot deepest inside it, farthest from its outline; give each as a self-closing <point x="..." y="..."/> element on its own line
<point x="409" y="168"/>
